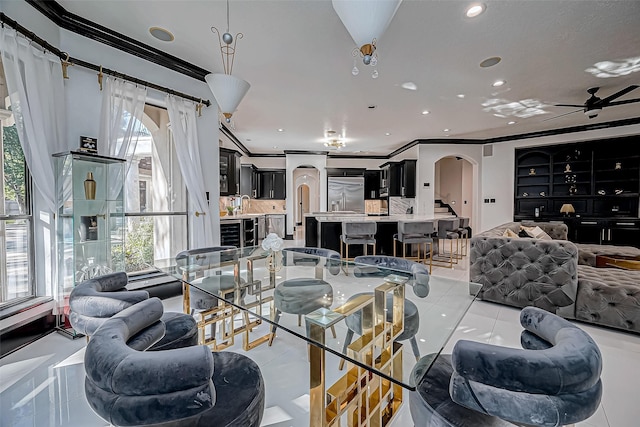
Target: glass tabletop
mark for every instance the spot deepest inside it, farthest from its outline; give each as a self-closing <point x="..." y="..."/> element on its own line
<point x="363" y="301"/>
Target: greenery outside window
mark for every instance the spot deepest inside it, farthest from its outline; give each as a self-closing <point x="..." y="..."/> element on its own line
<point x="155" y="196"/>
<point x="16" y="254"/>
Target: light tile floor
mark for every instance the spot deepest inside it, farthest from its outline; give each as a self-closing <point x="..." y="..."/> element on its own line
<point x="42" y="384"/>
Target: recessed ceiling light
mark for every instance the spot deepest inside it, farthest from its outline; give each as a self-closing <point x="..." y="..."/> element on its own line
<point x="460" y="95"/>
<point x="498" y="83"/>
<point x="275" y="146"/>
<point x="425" y="112"/>
<point x="446" y="130"/>
<point x="490" y="62"/>
<point x="280" y="130"/>
<point x="387" y="134"/>
<point x="475" y="10"/>
<point x="409" y="86"/>
<point x="161" y="34"/>
<point x="511" y="122"/>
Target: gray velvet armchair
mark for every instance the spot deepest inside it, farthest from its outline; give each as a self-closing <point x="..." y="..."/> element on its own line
<point x="189" y="386"/>
<point x="94" y="301"/>
<point x="553" y="381"/>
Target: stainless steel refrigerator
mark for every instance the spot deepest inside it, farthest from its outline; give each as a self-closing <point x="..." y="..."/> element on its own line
<point x="345" y="193"/>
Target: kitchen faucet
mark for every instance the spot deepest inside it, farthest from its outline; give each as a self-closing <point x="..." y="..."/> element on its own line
<point x="241" y="205"/>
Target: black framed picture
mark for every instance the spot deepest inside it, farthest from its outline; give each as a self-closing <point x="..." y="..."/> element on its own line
<point x="89" y="145"/>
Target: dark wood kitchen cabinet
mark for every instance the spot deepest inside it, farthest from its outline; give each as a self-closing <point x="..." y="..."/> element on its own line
<point x="249" y="180"/>
<point x="272" y="184"/>
<point x="372" y="184"/>
<point x="229" y="172"/>
<point x="401" y="180"/>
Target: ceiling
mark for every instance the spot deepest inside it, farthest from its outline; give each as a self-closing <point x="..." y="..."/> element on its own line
<point x="297" y="55"/>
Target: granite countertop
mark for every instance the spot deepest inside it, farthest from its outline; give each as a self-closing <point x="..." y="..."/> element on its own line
<point x="323" y="217"/>
<point x="241" y="216"/>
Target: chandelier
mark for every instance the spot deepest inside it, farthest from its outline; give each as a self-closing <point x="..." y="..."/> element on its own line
<point x="366" y="21"/>
<point x="227" y="89"/>
<point x="335" y="144"/>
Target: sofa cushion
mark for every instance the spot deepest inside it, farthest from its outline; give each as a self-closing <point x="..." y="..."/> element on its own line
<point x="609" y="296"/>
<point x="536" y="232"/>
<point x="510" y="233"/>
<point x="587" y="252"/>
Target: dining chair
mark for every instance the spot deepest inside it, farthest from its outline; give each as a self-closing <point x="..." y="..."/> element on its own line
<point x="418" y="281"/>
<point x="191" y="386"/>
<point x="553" y="380"/>
<point x="95" y="300"/>
<point x="211" y="309"/>
<point x="302" y="295"/>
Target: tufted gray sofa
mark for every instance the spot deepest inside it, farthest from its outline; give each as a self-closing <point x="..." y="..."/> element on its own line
<point x="525" y="272"/>
<point x="556" y="275"/>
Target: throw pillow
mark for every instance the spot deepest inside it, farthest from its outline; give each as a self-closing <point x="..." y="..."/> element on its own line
<point x="510" y="233"/>
<point x="523" y="233"/>
<point x="536" y="232"/>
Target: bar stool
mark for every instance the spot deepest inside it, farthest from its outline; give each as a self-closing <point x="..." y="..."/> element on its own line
<point x="358" y="233"/>
<point x="448" y="230"/>
<point x="410" y="232"/>
<point x="463" y="232"/>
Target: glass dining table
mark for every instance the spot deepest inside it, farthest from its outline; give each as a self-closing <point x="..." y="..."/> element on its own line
<point x="379" y="310"/>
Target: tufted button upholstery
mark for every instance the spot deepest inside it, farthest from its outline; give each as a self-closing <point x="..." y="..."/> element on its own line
<point x="609" y="296"/>
<point x="587" y="252"/>
<point x="526" y="272"/>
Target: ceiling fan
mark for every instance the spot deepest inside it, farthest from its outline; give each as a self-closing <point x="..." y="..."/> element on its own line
<point x="594" y="105"/>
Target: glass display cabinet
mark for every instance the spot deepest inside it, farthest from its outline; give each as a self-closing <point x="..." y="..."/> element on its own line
<point x="89" y="221"/>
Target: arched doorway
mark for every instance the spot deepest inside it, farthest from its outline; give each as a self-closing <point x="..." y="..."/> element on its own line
<point x="453" y="187"/>
<point x="306" y="199"/>
<point x="302" y="193"/>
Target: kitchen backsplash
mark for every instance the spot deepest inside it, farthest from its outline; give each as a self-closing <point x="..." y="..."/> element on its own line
<point x="376" y="207"/>
<point x="264" y="206"/>
<point x="400" y="205"/>
<point x="255" y="205"/>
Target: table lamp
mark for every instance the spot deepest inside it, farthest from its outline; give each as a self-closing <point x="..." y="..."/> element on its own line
<point x="567" y="209"/>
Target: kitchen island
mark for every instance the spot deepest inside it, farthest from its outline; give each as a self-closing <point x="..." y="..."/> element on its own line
<point x="323" y="230"/>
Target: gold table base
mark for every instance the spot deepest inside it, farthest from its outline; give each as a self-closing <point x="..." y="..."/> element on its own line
<point x="367" y="399"/>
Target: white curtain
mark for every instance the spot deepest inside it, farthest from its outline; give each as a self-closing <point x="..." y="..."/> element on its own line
<point x="182" y="116"/>
<point x="120" y="128"/>
<point x="36" y="89"/>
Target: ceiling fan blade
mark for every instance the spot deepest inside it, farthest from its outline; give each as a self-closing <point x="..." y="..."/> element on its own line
<point x="618" y="94"/>
<point x="562" y="115"/>
<point x="567" y="105"/>
<point x="626" y="101"/>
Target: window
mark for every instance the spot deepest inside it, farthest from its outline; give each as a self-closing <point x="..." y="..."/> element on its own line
<point x="16" y="279"/>
<point x="155" y="199"/>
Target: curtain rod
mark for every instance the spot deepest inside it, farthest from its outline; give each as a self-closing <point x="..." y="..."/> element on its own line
<point x="64" y="56"/>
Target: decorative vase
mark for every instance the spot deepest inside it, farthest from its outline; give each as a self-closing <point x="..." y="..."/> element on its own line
<point x="90" y="187"/>
<point x="274" y="261"/>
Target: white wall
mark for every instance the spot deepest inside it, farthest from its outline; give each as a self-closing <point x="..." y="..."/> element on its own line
<point x="265" y="162"/>
<point x="32" y="20"/>
<point x="332" y="162"/>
